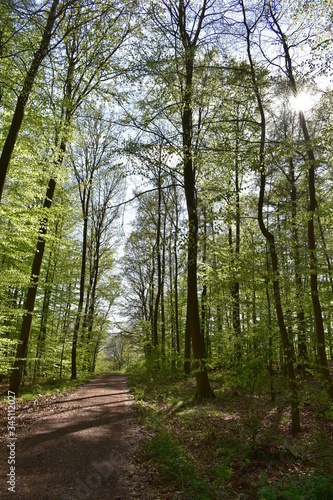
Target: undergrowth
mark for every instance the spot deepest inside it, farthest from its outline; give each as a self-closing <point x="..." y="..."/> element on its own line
<point x="236" y="446"/>
<point x="46" y="387"/>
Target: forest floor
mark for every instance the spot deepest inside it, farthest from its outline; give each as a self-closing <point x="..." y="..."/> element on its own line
<point x="82" y="444"/>
<point x="239" y="445"/>
<point x="99" y="441"/>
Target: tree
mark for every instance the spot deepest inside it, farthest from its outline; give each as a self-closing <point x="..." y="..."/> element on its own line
<point x="99" y="177"/>
<point x="23" y="96"/>
<point x="22" y="348"/>
<point x="184" y="27"/>
<point x="287" y="344"/>
<point x="81" y="81"/>
<point x="320" y="331"/>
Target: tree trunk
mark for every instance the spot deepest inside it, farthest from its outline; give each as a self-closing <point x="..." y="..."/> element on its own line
<point x="81" y="297"/>
<point x="23" y="97"/>
<point x="288" y="349"/>
<point x="151" y="302"/>
<point x="236" y="287"/>
<point x="321" y="348"/>
<point x="204" y="287"/>
<point x="159" y="269"/>
<point x="302" y="349"/>
<point x="176" y="272"/>
<point x="192" y="313"/>
<point x="270" y="338"/>
<point x="44" y="316"/>
<point x="172" y="312"/>
<point x="162" y="291"/>
<point x="22" y="348"/>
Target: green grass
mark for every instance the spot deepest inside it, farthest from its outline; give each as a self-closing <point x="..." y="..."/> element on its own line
<point x="47" y="387"/>
<point x="165" y="451"/>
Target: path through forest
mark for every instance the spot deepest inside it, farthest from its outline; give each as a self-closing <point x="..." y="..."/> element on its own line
<point x="81" y="445"/>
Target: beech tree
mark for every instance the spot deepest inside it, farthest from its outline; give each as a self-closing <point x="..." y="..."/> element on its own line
<point x="184" y="26"/>
<point x="29" y="304"/>
<point x="286" y="342"/>
<point x="80" y="82"/>
<point x="23" y="96"/>
<point x="317" y="309"/>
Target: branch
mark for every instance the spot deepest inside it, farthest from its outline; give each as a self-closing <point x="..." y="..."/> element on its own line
<point x="141" y="194"/>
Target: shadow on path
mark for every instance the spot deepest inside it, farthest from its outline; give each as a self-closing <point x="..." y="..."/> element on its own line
<point x="79" y="448"/>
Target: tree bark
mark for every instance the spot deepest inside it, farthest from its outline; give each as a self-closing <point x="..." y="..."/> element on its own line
<point x="44" y="316"/>
<point x="85" y="205"/>
<point x="192" y="312"/>
<point x="22" y="348"/>
<point x="159" y="270"/>
<point x="321" y="348"/>
<point x="174" y="282"/>
<point x="162" y="291"/>
<point x="204" y="287"/>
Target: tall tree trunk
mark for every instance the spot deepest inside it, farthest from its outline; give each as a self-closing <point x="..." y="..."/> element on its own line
<point x="172" y="311"/>
<point x="175" y="281"/>
<point x="235" y="302"/>
<point x="176" y="295"/>
<point x="162" y="291"/>
<point x="192" y="312"/>
<point x="85" y="195"/>
<point x="151" y="302"/>
<point x="320" y="332"/>
<point x="94" y="282"/>
<point x="288" y="348"/>
<point x="22" y="348"/>
<point x="204" y="287"/>
<point x="302" y="349"/>
<point x="270" y="337"/>
<point x="81" y="297"/>
<point x="321" y="347"/>
<point x="65" y="329"/>
<point x="23" y="97"/>
<point x="236" y="287"/>
<point x="159" y="269"/>
<point x="44" y="316"/>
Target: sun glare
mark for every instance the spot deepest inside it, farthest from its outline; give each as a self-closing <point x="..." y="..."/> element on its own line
<point x="303" y="101"/>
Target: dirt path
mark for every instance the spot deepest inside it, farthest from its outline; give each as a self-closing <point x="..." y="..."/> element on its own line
<point x="81" y="445"/>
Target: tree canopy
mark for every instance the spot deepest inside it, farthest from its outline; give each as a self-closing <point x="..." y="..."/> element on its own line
<point x="165" y="197"/>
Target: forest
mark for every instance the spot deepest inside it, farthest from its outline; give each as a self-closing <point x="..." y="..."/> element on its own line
<point x="165" y="180"/>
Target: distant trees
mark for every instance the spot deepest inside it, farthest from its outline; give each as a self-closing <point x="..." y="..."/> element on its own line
<point x="99" y="178"/>
<point x="151" y="264"/>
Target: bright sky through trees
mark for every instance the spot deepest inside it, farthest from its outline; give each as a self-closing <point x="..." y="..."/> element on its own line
<point x="304" y="101"/>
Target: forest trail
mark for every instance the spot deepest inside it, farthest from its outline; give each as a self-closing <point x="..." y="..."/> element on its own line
<point x="80" y="445"/>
